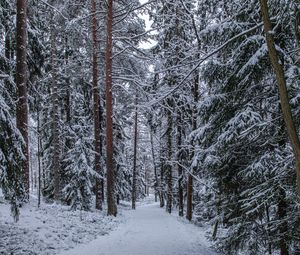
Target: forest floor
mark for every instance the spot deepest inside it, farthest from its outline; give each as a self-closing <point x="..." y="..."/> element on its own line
<point x="55" y="229"/>
<point x="146" y="231"/>
<point x="50" y="229"/>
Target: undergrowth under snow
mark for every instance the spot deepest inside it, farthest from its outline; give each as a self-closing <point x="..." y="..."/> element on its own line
<point x="50" y="229"/>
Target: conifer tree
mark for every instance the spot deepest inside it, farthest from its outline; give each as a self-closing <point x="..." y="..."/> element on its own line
<point x="283" y="93"/>
<point x="96" y="98"/>
<point x="11" y="157"/>
<point x="111" y="204"/>
<point x="134" y="173"/>
<point x="21" y="82"/>
<point x="240" y="153"/>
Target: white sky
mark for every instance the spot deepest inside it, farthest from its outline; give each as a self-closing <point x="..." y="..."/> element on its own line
<point x="146" y="45"/>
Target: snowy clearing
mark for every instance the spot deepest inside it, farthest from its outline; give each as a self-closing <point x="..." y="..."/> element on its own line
<point x="149" y="230"/>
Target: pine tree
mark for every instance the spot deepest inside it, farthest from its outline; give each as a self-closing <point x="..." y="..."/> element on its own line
<point x="21" y="82"/>
<point x="56" y="168"/>
<point x="79" y="168"/>
<point x="11" y="157"/>
<point x="112" y="207"/>
<point x="284" y="98"/>
<point x="240" y="153"/>
<point x="96" y="97"/>
<point x="173" y="49"/>
<point x="134" y="171"/>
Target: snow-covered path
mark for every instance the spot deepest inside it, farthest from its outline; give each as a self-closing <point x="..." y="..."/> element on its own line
<point x="149" y="230"/>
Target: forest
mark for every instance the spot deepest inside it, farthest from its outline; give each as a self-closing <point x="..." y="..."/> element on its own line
<point x="105" y="105"/>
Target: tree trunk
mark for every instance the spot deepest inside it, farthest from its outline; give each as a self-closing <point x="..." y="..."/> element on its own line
<point x="283" y="228"/>
<point x="215" y="231"/>
<point x="156" y="185"/>
<point x="135" y="153"/>
<point x="189" y="206"/>
<point x="297" y="21"/>
<point x="268" y="229"/>
<point x="31" y="183"/>
<point x="111" y="204"/>
<point x="161" y="186"/>
<point x="283" y="93"/>
<point x="169" y="163"/>
<point x="66" y="101"/>
<point x="189" y="210"/>
<point x="7" y="45"/>
<point x="179" y="166"/>
<point x="55" y="120"/>
<point x="21" y="82"/>
<point x="39" y="155"/>
<point x="96" y="97"/>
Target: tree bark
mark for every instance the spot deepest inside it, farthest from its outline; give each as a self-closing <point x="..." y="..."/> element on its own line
<point x="96" y="98"/>
<point x="55" y="119"/>
<point x="297" y="21"/>
<point x="215" y="231"/>
<point x="111" y="204"/>
<point x="283" y="228"/>
<point x="66" y="100"/>
<point x="169" y="163"/>
<point x="189" y="205"/>
<point x="8" y="46"/>
<point x="39" y="155"/>
<point x="156" y="185"/>
<point x="21" y="82"/>
<point x="189" y="211"/>
<point x="135" y="153"/>
<point x="161" y="186"/>
<point x="179" y="166"/>
<point x="267" y="210"/>
<point x="283" y="93"/>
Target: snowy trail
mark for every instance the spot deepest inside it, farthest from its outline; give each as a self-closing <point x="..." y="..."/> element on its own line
<point x="149" y="230"/>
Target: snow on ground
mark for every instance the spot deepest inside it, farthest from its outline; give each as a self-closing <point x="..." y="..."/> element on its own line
<point x="54" y="229"/>
<point x="50" y="229"/>
<point x="147" y="231"/>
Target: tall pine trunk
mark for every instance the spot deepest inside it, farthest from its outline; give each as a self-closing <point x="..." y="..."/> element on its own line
<point x="169" y="177"/>
<point x="190" y="188"/>
<point x="156" y="185"/>
<point x="111" y="204"/>
<point x="179" y="166"/>
<point x="283" y="93"/>
<point x="189" y="202"/>
<point x="55" y="119"/>
<point x="39" y="155"/>
<point x="134" y="173"/>
<point x="297" y="21"/>
<point x="21" y="82"/>
<point x="162" y="176"/>
<point x="96" y="97"/>
<point x="283" y="227"/>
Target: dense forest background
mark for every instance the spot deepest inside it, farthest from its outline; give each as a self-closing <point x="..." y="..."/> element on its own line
<point x="96" y="107"/>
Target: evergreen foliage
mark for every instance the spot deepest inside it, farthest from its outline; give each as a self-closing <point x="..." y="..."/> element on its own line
<point x="212" y="139"/>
